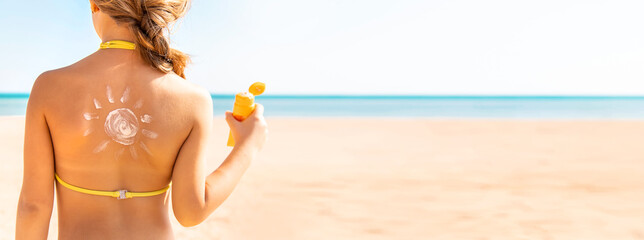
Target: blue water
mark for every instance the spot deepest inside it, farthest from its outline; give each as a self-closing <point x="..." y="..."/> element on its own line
<point x="533" y="107"/>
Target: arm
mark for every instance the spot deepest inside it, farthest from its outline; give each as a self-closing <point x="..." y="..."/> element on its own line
<point x="194" y="195"/>
<point x="37" y="194"/>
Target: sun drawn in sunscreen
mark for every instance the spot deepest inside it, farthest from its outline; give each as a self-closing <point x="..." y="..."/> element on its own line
<point x="122" y="125"/>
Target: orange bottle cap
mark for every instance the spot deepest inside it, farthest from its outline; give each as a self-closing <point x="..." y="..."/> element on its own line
<point x="257" y="88"/>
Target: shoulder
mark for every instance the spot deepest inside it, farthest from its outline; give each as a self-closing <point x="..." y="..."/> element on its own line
<point x="188" y="90"/>
<point x="49" y="79"/>
<point x="189" y="95"/>
<point x="56" y="79"/>
<point x="51" y="85"/>
<point x="46" y="85"/>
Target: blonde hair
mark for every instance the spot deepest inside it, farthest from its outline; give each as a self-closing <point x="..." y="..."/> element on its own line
<point x="149" y="20"/>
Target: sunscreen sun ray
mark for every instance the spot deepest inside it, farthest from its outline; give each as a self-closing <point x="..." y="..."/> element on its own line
<point x="101" y="146"/>
<point x="126" y="95"/>
<point x="97" y="104"/>
<point x="109" y="95"/>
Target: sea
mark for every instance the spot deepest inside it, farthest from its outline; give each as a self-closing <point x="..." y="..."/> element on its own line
<point x="417" y="106"/>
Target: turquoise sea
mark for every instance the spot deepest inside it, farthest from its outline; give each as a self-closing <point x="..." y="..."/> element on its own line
<point x="527" y="107"/>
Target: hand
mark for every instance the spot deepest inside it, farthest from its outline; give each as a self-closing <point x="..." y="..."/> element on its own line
<point x="252" y="131"/>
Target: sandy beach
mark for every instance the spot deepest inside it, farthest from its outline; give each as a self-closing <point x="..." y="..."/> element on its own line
<point x="386" y="178"/>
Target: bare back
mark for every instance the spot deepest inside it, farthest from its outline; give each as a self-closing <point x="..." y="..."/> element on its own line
<point x="116" y="124"/>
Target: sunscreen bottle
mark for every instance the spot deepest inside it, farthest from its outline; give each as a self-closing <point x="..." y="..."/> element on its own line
<point x="245" y="105"/>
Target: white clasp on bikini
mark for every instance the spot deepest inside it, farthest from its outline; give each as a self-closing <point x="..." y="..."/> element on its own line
<point x="122" y="194"/>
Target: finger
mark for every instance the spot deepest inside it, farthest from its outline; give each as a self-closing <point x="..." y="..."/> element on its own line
<point x="259" y="110"/>
<point x="230" y="119"/>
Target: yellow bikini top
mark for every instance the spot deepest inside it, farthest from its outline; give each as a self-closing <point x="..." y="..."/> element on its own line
<point x="119" y="194"/>
<point x="120" y="44"/>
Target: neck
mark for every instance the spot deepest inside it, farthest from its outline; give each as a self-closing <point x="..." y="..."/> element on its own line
<point x="116" y="38"/>
<point x="118" y="34"/>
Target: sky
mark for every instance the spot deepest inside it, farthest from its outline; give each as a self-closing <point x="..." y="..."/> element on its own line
<point x="402" y="47"/>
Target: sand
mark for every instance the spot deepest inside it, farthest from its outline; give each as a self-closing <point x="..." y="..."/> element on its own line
<point x="378" y="178"/>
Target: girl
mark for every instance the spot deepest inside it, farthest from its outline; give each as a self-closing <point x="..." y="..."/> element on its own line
<point x="116" y="129"/>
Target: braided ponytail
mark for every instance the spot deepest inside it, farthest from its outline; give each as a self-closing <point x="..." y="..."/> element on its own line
<point x="149" y="21"/>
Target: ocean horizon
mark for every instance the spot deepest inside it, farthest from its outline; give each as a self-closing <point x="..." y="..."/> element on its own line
<point x="431" y="106"/>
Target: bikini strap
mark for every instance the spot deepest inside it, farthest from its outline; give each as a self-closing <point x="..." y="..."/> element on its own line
<point x="120" y="44"/>
<point x="119" y="194"/>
